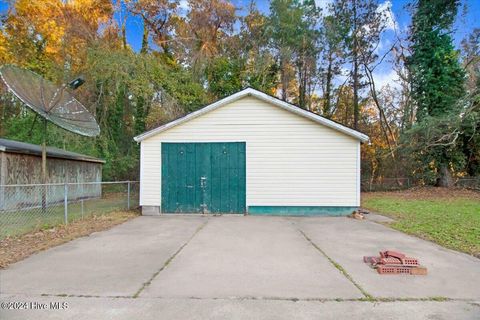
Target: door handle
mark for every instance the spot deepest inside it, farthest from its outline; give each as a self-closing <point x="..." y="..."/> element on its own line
<point x="203" y="185"/>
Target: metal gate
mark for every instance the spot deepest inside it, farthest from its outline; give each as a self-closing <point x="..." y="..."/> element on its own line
<point x="203" y="177"/>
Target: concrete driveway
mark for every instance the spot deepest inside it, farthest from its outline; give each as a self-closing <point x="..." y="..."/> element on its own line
<point x="236" y="267"/>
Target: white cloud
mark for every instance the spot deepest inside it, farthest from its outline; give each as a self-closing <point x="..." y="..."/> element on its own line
<point x="323" y="4"/>
<point x="184" y="8"/>
<point x="184" y="5"/>
<point x="386" y="8"/>
<point x="384" y="44"/>
<point x="382" y="78"/>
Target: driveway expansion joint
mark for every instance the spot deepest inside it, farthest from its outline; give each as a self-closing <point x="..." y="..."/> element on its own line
<point x="169" y="260"/>
<point x="472" y="302"/>
<point x="339" y="267"/>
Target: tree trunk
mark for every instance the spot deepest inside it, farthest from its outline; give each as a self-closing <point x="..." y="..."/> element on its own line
<point x="2" y="118"/>
<point x="283" y="75"/>
<point x="302" y="78"/>
<point x="445" y="178"/>
<point x="327" y="104"/>
<point x="144" y="38"/>
<point x="124" y="36"/>
<point x="356" y="110"/>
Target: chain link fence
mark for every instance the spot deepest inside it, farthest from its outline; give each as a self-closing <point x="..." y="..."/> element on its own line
<point x="24" y="208"/>
<point x="393" y="184"/>
<point x="386" y="184"/>
<point x="469" y="183"/>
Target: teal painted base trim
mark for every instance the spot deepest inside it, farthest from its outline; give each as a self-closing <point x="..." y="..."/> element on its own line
<point x="299" y="211"/>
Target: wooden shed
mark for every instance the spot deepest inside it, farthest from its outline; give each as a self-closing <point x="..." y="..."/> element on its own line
<point x="21" y="164"/>
<point x="250" y="153"/>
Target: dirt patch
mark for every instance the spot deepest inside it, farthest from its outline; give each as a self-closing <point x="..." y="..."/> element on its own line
<point x="426" y="193"/>
<point x="13" y="249"/>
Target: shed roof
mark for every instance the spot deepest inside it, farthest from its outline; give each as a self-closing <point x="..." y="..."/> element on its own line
<point x="262" y="96"/>
<point x="33" y="149"/>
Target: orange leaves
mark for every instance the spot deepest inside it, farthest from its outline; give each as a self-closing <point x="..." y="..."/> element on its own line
<point x="5" y="55"/>
<point x="206" y="25"/>
<point x="85" y="17"/>
<point x="93" y="12"/>
<point x="52" y="30"/>
<point x="40" y="19"/>
<point x="158" y="17"/>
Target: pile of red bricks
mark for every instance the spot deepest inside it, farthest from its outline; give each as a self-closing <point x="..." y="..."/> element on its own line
<point x="393" y="262"/>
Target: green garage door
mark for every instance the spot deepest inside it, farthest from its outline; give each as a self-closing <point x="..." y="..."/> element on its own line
<point x="203" y="177"/>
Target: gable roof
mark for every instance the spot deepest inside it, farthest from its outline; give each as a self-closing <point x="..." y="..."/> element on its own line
<point x="262" y="96"/>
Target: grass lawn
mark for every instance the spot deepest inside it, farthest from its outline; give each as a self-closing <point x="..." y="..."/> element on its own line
<point x="450" y="218"/>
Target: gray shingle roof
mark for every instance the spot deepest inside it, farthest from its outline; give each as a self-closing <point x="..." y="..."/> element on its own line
<point x="33" y="149"/>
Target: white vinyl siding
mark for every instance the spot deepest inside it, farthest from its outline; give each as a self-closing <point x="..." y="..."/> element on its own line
<point x="291" y="160"/>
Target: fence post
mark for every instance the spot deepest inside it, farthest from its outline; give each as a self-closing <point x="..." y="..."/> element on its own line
<point x="65" y="203"/>
<point x="82" y="197"/>
<point x="2" y="197"/>
<point x="82" y="208"/>
<point x="128" y="195"/>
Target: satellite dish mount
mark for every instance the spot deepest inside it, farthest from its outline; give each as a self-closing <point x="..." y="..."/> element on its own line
<point x="53" y="103"/>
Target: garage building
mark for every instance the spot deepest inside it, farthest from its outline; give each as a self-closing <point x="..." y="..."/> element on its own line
<point x="250" y="153"/>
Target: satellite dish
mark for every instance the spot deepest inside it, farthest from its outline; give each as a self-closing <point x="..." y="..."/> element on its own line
<point x="52" y="102"/>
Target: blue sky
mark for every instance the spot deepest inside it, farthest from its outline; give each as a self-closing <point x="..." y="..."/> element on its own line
<point x="384" y="74"/>
<point x="462" y="28"/>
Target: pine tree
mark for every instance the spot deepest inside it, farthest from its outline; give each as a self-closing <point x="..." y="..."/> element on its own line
<point x="294" y="31"/>
<point x="363" y="23"/>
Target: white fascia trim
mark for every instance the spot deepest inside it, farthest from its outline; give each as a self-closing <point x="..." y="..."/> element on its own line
<point x="142" y="167"/>
<point x="359" y="175"/>
<point x="312" y="116"/>
<point x="191" y="116"/>
<point x="262" y="96"/>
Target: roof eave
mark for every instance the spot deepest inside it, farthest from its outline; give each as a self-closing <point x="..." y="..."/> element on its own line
<point x="265" y="97"/>
<point x="193" y="115"/>
<point x="54" y="156"/>
<point x="319" y="119"/>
